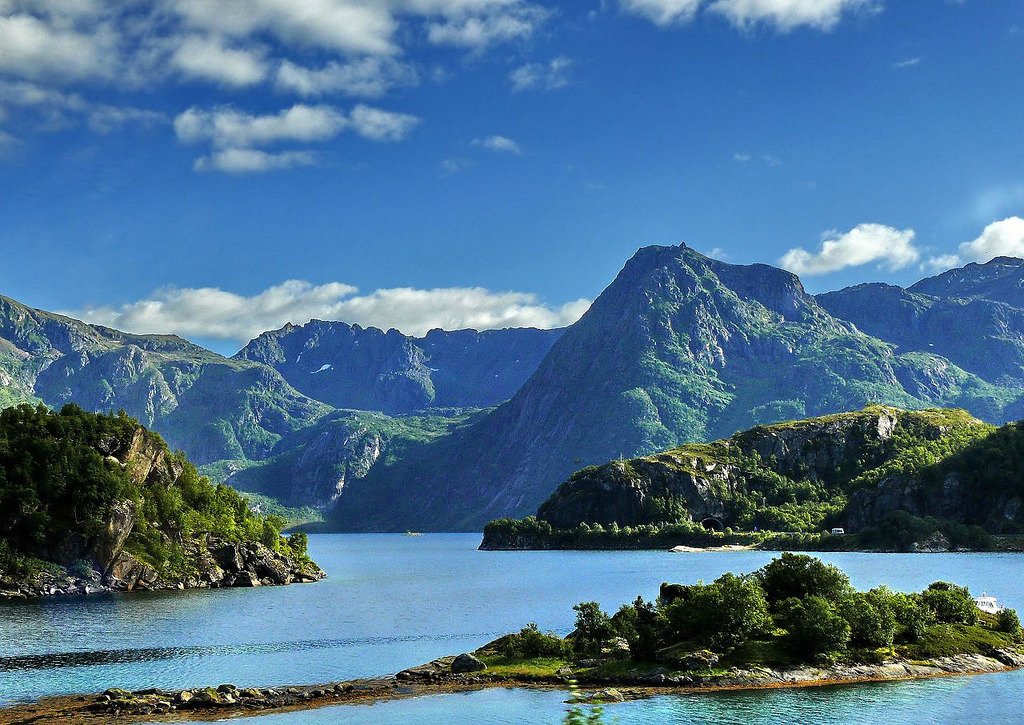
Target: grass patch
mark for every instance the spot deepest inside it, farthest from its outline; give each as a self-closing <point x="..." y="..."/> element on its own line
<point x="536" y="667"/>
<point x="946" y="640"/>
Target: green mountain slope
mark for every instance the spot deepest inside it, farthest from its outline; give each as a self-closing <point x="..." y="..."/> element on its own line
<point x="678" y="348"/>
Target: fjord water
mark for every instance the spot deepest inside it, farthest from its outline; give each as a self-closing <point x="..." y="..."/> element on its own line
<point x="393" y="600"/>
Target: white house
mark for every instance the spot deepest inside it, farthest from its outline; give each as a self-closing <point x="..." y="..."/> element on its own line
<point x="988" y="604"/>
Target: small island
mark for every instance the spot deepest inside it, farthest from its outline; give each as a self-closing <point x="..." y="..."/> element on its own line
<point x="878" y="479"/>
<point x="797" y="622"/>
<point x="96" y="503"/>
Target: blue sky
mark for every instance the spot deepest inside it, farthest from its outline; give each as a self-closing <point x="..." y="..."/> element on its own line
<point x="170" y="166"/>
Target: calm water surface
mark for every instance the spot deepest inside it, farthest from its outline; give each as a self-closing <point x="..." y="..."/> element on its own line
<point x="394" y="600"/>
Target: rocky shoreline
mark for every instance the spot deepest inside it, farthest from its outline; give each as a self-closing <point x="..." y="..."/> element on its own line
<point x="216" y="563"/>
<point x="466" y="673"/>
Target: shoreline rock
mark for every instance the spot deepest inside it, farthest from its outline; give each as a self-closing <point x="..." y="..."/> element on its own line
<point x="218" y="563"/>
<point x="438" y="677"/>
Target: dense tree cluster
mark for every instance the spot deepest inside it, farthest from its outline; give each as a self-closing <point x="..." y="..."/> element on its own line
<point x="801" y="606"/>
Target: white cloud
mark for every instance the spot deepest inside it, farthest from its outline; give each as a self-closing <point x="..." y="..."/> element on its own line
<point x="337" y="25"/>
<point x="551" y="75"/>
<point x="61" y="109"/>
<point x="226" y="127"/>
<point x="498" y="143"/>
<point x="783" y="15"/>
<point x="1003" y="238"/>
<point x="663" y="12"/>
<point x="788" y="14"/>
<point x="892" y="248"/>
<point x="31" y="47"/>
<point x="218" y="314"/>
<point x="380" y="125"/>
<point x="369" y="77"/>
<point x="942" y="262"/>
<point x="479" y="31"/>
<point x="208" y="58"/>
<point x="249" y="161"/>
<point x="908" y="63"/>
<point x="454" y="165"/>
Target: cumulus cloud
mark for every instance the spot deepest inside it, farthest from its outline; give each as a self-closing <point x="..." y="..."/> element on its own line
<point x="380" y="125"/>
<point x="479" y="31"/>
<point x="498" y="143"/>
<point x="1003" y="238"/>
<point x="788" y="14"/>
<point x="59" y="109"/>
<point x="551" y="75"/>
<point x="784" y="15"/>
<point x="369" y="77"/>
<point x="866" y="243"/>
<point x="217" y="314"/>
<point x="36" y="48"/>
<point x="663" y="12"/>
<point x="249" y="161"/>
<point x="209" y="58"/>
<point x="230" y="127"/>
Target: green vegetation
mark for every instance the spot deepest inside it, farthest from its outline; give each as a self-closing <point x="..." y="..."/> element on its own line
<point x="795" y="610"/>
<point x="785" y="485"/>
<point x="61" y="487"/>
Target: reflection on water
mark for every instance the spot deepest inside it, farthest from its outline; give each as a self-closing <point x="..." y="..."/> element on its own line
<point x="395" y="601"/>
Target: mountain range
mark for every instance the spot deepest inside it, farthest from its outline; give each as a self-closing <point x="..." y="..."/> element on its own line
<point x="390" y="432"/>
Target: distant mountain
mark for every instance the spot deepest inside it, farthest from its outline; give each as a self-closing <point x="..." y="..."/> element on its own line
<point x="352" y="367"/>
<point x="241" y="417"/>
<point x="208" y="405"/>
<point x="678" y="348"/>
<point x="982" y="336"/>
<point x="1000" y="280"/>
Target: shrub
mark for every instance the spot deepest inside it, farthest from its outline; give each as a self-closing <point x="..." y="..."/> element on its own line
<point x="593" y="629"/>
<point x="723" y="614"/>
<point x="1008" y="621"/>
<point x="912" y="615"/>
<point x="871" y="619"/>
<point x="799" y="576"/>
<point x="950" y="604"/>
<point x="814" y="626"/>
<point x="530" y="642"/>
<point x="643" y="625"/>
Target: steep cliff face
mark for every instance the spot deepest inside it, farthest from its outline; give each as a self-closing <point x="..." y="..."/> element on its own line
<point x="678" y="348"/>
<point x="314" y="466"/>
<point x="349" y="366"/>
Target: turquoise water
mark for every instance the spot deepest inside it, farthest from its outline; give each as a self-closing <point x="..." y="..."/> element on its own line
<point x="394" y="600"/>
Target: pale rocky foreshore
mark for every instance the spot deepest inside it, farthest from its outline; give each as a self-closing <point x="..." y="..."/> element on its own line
<point x="466" y="673"/>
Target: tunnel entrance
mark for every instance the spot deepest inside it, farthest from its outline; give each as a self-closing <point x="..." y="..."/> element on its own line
<point x="712" y="524"/>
